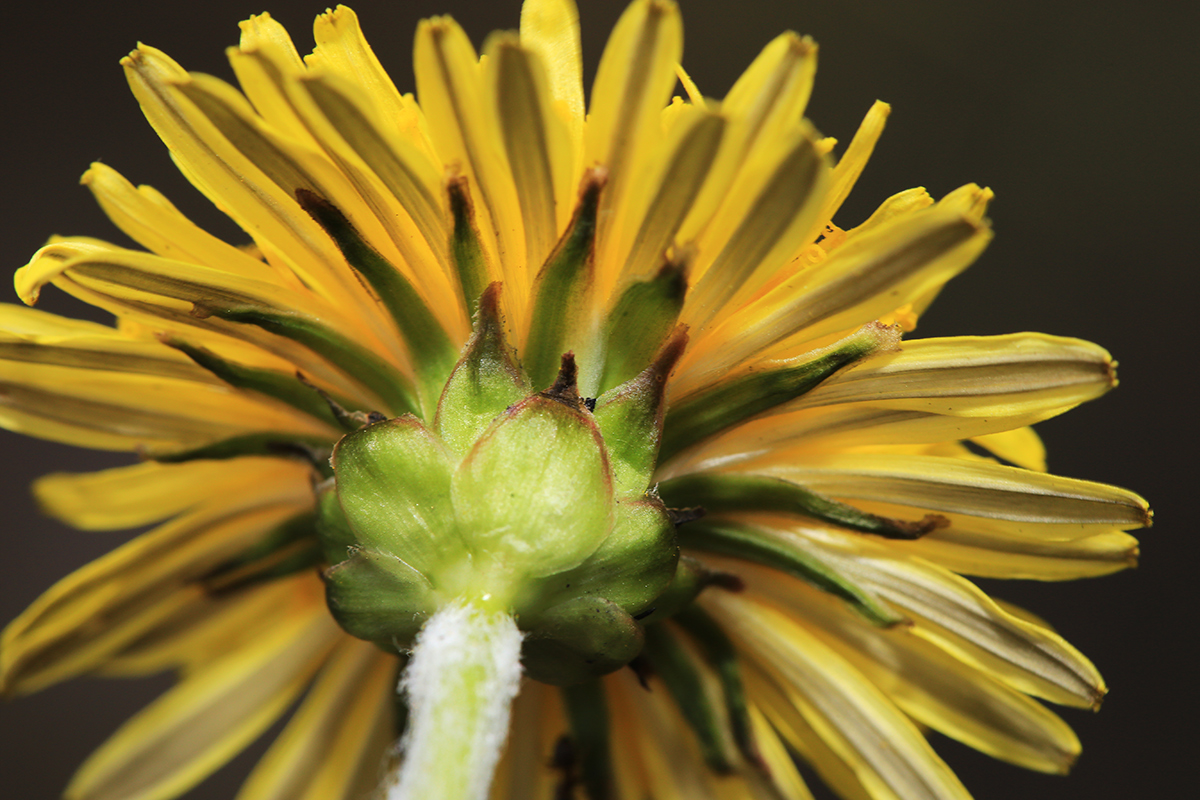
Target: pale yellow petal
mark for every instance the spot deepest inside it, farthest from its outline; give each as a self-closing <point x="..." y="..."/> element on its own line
<point x="208" y="717"/>
<point x="990" y="556"/>
<point x="772" y="700"/>
<point x="965" y="487"/>
<point x="212" y="627"/>
<point x="320" y="753"/>
<point x="854" y="160"/>
<point x="1017" y="375"/>
<point x="44" y="643"/>
<point x="779" y="762"/>
<point x="953" y="613"/>
<point x="525" y="768"/>
<point x="889" y="754"/>
<point x="930" y="685"/>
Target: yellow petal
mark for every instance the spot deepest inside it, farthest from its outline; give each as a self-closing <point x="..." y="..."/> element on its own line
<point x="859" y="282"/>
<point x="669" y="185"/>
<point x="397" y="181"/>
<point x="115" y="410"/>
<point x="336" y="731"/>
<point x="928" y="684"/>
<point x="890" y="756"/>
<point x="770" y="209"/>
<point x="147" y="218"/>
<point x="451" y="90"/>
<point x="31" y="336"/>
<point x="128" y="497"/>
<point x="208" y="717"/>
<point x="262" y="78"/>
<point x="146" y="317"/>
<point x="851" y="164"/>
<point x="289" y="164"/>
<point x="550" y="28"/>
<point x="127" y="582"/>
<point x="1022" y="447"/>
<point x="965" y="487"/>
<point x="764" y="104"/>
<point x="537" y="143"/>
<point x="342" y="49"/>
<point x="633" y="84"/>
<point x="231" y="180"/>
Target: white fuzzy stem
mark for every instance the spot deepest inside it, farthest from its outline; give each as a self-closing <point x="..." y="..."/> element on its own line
<point x="460" y="683"/>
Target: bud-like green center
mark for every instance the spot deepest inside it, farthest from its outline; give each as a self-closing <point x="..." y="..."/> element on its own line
<point x="531" y="503"/>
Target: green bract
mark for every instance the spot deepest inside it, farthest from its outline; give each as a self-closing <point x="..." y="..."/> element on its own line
<point x="526" y="502"/>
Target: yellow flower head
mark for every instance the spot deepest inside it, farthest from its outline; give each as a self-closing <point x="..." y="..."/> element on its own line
<point x="501" y="399"/>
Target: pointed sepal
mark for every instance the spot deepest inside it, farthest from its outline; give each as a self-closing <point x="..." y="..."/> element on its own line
<point x="631" y="418"/>
<point x="429" y="346"/>
<point x="486" y="381"/>
<point x="727" y="491"/>
<point x="587" y="714"/>
<point x="466" y="249"/>
<point x="678" y="670"/>
<point x="563" y="285"/>
<point x="710" y="410"/>
<point x="640" y="322"/>
<point x="737" y="540"/>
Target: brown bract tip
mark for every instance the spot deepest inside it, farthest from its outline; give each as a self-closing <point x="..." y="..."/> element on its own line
<point x="565" y="389"/>
<point x="488" y="310"/>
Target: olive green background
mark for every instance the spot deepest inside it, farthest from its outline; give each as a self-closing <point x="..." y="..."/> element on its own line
<point x="1080" y="115"/>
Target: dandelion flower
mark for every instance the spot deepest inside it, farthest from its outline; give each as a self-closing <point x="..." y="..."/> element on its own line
<point x="543" y="454"/>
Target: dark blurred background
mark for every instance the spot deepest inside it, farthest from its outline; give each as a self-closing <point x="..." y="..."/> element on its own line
<point x="1082" y="117"/>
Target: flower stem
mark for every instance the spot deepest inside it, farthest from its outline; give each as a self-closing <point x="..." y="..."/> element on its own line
<point x="460" y="683"/>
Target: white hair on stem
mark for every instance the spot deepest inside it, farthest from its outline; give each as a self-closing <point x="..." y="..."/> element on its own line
<point x="464" y="673"/>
